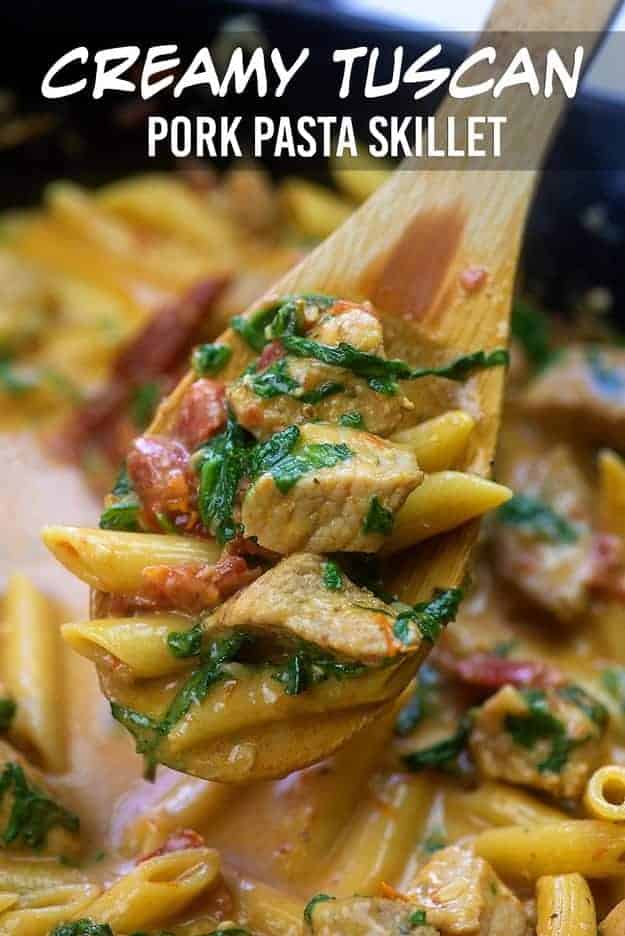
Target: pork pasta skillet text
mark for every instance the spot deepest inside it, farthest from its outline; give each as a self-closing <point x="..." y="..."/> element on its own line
<point x="247" y="618"/>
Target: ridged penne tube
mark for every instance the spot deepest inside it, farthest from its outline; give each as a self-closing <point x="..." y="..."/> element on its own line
<point x="156" y="890"/>
<point x="32" y="669"/>
<point x="564" y="906"/>
<point x="612" y="492"/>
<point x="438" y="443"/>
<point x="140" y="642"/>
<point x="165" y="204"/>
<point x="614" y="923"/>
<point x="605" y="793"/>
<point x="591" y="847"/>
<point x="25" y="875"/>
<point x="37" y="913"/>
<point x="502" y="805"/>
<point x="445" y="500"/>
<point x="189" y="804"/>
<point x="381" y="836"/>
<point x="314" y="210"/>
<point x="267" y="910"/>
<point x="113" y="561"/>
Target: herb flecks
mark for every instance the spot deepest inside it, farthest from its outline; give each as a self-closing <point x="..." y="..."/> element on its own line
<point x="353" y="419"/>
<point x="308" y="667"/>
<point x="378" y="518"/>
<point x="312" y="903"/>
<point x="84" y="927"/>
<point x="33" y="814"/>
<point x="427" y="619"/>
<point x="314" y="457"/>
<point x="537" y="518"/>
<point x="209" y="359"/>
<point x="372" y="367"/>
<point x="8" y="708"/>
<point x="332" y="576"/>
<point x="444" y="754"/>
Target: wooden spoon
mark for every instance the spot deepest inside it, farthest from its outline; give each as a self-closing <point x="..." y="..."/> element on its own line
<point x="405" y="250"/>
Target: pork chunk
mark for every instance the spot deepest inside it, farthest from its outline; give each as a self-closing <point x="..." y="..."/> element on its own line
<point x="545" y="739"/>
<point x="346" y="322"/>
<point x="328" y="509"/>
<point x="550" y="565"/>
<point x="586" y="390"/>
<point x="292" y="603"/>
<point x="367" y="916"/>
<point x="461" y="894"/>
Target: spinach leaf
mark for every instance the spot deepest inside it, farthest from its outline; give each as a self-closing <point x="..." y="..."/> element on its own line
<point x="534" y="516"/>
<point x="14" y="382"/>
<point x="532" y="330"/>
<point x="383" y="385"/>
<point x="222" y="464"/>
<point x="186" y="643"/>
<point x="275" y="381"/>
<point x="428" y="618"/>
<point x="265" y="455"/>
<point x="252" y="327"/>
<point x="312" y="903"/>
<point x="421" y="703"/>
<point x="287" y="472"/>
<point x="123" y="513"/>
<point x="364" y="570"/>
<point x="378" y="519"/>
<point x="82" y="927"/>
<point x="209" y="359"/>
<point x="538" y="725"/>
<point x="418" y="918"/>
<point x="435" y="841"/>
<point x="309" y="666"/>
<point x="444" y="754"/>
<point x="352" y="420"/>
<point x="332" y="578"/>
<point x="32" y="813"/>
<point x="370" y="366"/>
<point x="8" y="709"/>
<point x="143" y="403"/>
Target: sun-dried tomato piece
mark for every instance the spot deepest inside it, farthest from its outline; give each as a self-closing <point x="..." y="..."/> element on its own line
<point x="202" y="413"/>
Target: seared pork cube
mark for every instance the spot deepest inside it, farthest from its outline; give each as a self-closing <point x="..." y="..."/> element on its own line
<point x="585" y="389"/>
<point x="461" y="894"/>
<point x="545" y="739"/>
<point x="366" y="916"/>
<point x="293" y="603"/>
<point x="542" y="537"/>
<point x="336" y="491"/>
<point x="285" y="390"/>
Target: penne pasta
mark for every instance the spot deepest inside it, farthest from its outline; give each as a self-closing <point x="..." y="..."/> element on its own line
<point x="498" y="804"/>
<point x="189" y="804"/>
<point x="438" y="443"/>
<point x="32" y="668"/>
<point x="564" y="906"/>
<point x="381" y="836"/>
<point x="311" y="208"/>
<point x="605" y="793"/>
<point x="139" y="642"/>
<point x="445" y="500"/>
<point x="267" y="910"/>
<point x="112" y="561"/>
<point x="591" y="847"/>
<point x="37" y="913"/>
<point x="157" y="890"/>
<point x="612" y="492"/>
